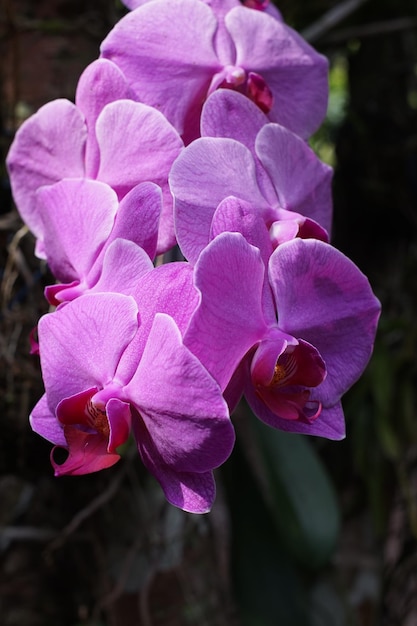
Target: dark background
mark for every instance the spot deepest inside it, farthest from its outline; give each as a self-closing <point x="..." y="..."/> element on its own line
<point x="105" y="549"/>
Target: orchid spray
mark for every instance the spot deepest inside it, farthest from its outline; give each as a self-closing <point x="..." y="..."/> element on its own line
<point x="190" y="130"/>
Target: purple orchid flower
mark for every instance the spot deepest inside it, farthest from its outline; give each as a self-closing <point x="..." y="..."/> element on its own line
<point x="264" y="164"/>
<point x="88" y="140"/>
<point x="93" y="242"/>
<point x="293" y="360"/>
<point x="201" y="47"/>
<point x="107" y="374"/>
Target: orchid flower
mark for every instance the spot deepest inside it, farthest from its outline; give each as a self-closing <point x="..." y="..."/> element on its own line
<point x="264" y="164"/>
<point x="105" y="136"/>
<point x="201" y="47"/>
<point x="98" y="390"/>
<point x="81" y="221"/>
<point x="293" y="360"/>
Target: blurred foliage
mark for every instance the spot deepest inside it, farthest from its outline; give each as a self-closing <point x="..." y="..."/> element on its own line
<point x="323" y="141"/>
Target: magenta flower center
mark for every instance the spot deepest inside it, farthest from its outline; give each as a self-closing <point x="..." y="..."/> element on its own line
<point x="250" y="84"/>
<point x="259" y="5"/>
<point x="284" y="370"/>
<point x="97" y="419"/>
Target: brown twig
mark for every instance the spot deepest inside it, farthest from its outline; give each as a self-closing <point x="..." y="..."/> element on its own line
<point x="89" y="510"/>
<point x="14" y="260"/>
<point x="371" y="30"/>
<point x="330" y="19"/>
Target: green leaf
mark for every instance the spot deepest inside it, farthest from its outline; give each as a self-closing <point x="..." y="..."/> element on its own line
<point x="383" y="383"/>
<point x="299" y="494"/>
<point x="268" y="588"/>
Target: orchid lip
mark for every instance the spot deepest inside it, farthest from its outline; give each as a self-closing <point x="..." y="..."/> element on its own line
<point x="97" y="418"/>
<point x="283" y="375"/>
<point x="283" y="372"/>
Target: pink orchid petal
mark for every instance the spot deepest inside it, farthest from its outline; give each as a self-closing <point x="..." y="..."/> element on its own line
<point x="138" y="217"/>
<point x="62" y="292"/>
<point x="229" y="319"/>
<point x="160" y="69"/>
<point x="283" y="230"/>
<point x="287" y="406"/>
<point x="134" y="4"/>
<point x="148" y="155"/>
<point x="264" y="5"/>
<point x="123" y="265"/>
<point x="47" y="147"/>
<point x="118" y="271"/>
<point x="44" y="422"/>
<point x="82" y="342"/>
<point x="302" y="182"/>
<point x="292" y="69"/>
<point x="166" y="289"/>
<point x="78" y="216"/>
<point x="226" y="113"/>
<point x="192" y="492"/>
<point x="272" y="10"/>
<point x="323" y="298"/>
<point x="234" y="215"/>
<point x="206" y="172"/>
<point x="101" y="82"/>
<point x="234" y="390"/>
<point x="180" y="404"/>
<point x="119" y="418"/>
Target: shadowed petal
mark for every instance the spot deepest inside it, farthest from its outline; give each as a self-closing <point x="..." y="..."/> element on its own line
<point x="302" y="182"/>
<point x="192" y="492"/>
<point x="322" y="297"/>
<point x="292" y="69"/>
<point x="180" y="404"/>
<point x="329" y="424"/>
<point x="44" y="422"/>
<point x="229" y="319"/>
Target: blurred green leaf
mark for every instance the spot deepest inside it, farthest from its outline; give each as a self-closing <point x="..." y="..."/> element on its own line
<point x="299" y="494"/>
<point x="382" y="386"/>
<point x="268" y="589"/>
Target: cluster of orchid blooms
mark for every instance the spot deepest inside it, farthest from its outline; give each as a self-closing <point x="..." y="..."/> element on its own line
<point x="190" y="130"/>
